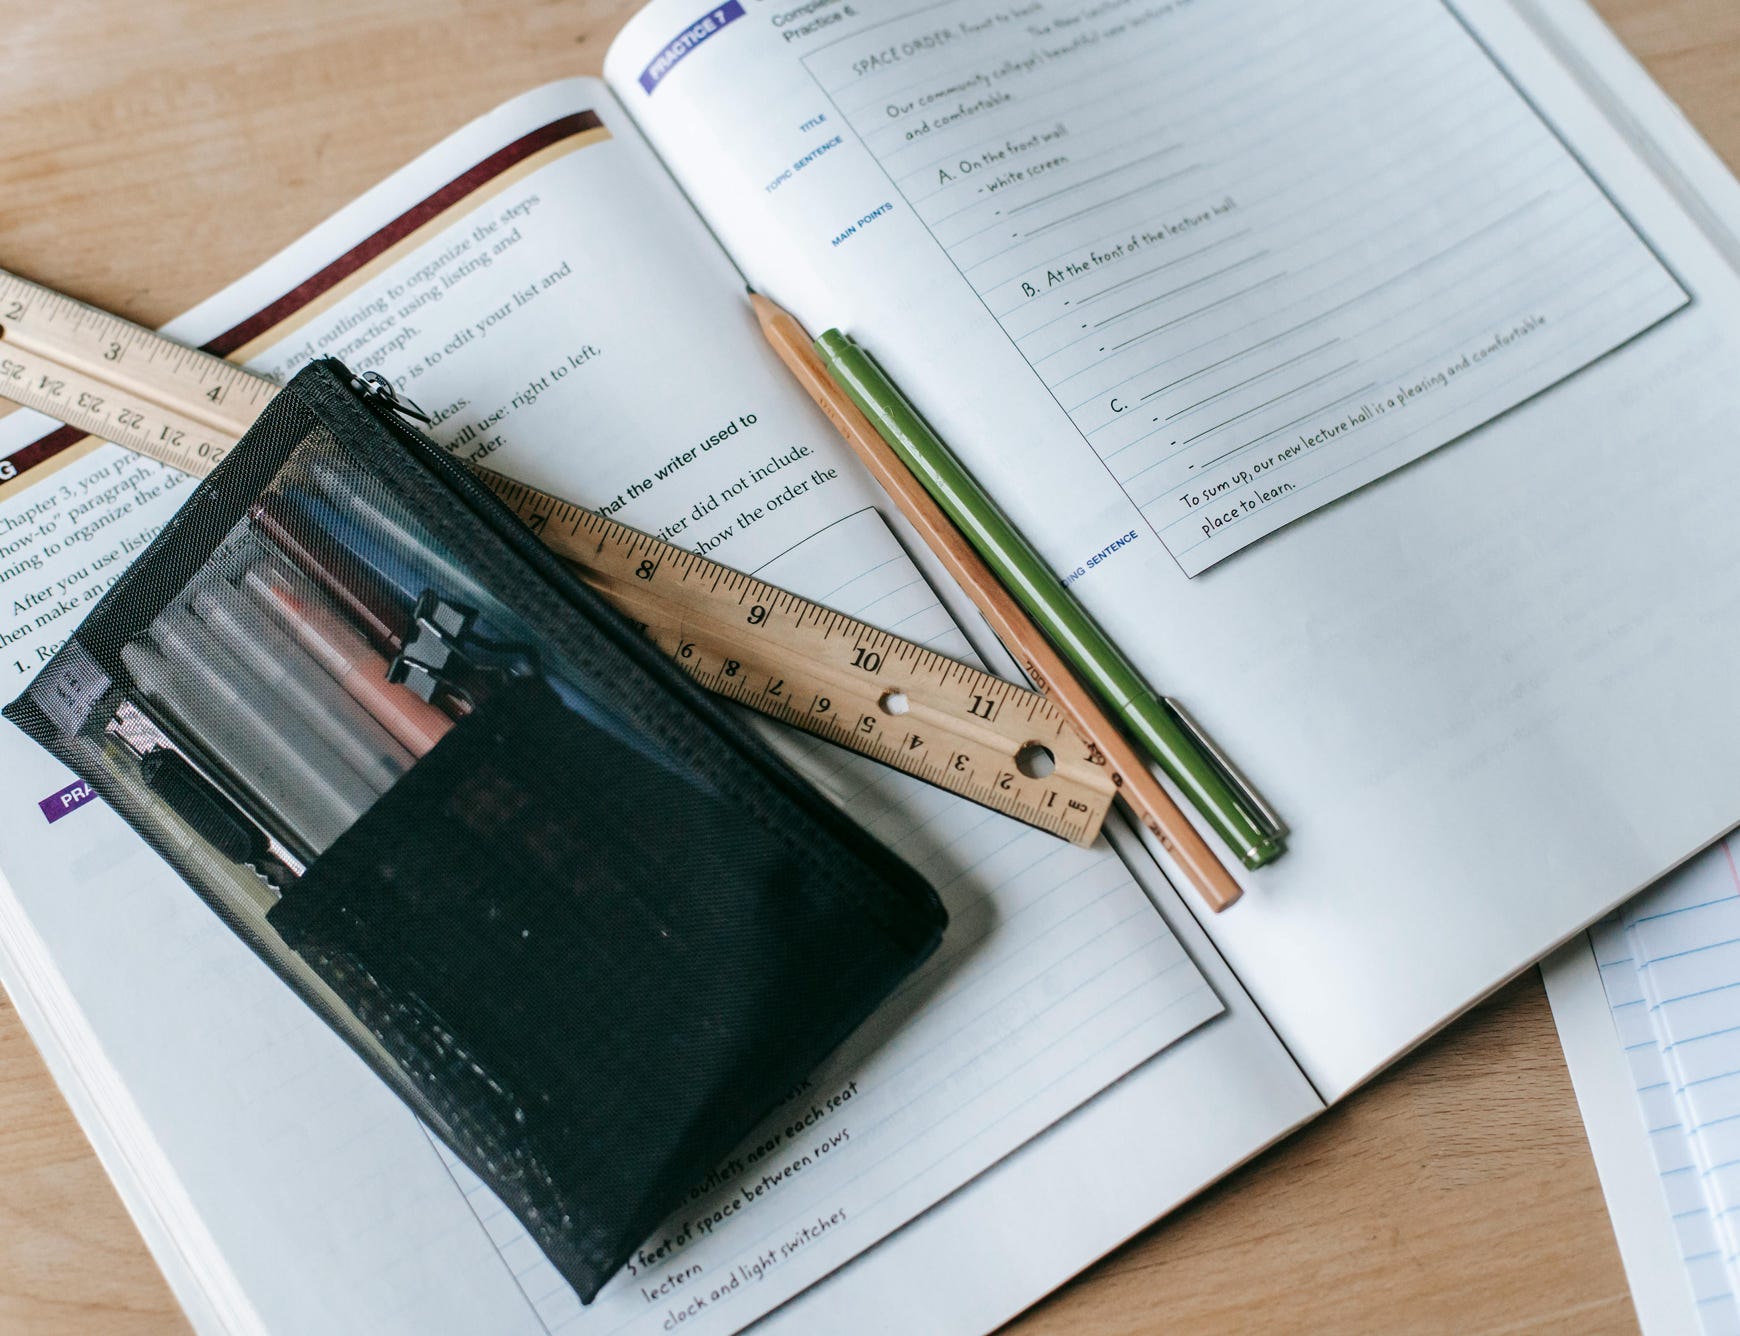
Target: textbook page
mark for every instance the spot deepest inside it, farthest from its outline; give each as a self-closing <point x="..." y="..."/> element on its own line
<point x="531" y="283"/>
<point x="1422" y="677"/>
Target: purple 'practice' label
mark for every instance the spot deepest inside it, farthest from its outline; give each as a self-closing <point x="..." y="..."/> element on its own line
<point x="687" y="40"/>
<point x="69" y="799"/>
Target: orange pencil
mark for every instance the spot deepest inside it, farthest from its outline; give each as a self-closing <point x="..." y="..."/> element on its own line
<point x="1136" y="783"/>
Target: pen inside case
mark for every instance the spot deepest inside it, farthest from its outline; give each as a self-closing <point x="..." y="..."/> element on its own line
<point x="563" y="903"/>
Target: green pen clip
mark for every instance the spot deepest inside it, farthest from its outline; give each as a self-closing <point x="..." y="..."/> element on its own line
<point x="1266" y="816"/>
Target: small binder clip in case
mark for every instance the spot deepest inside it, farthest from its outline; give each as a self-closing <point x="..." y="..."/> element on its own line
<point x="587" y="926"/>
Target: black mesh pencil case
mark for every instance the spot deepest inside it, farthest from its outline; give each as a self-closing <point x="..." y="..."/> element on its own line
<point x="583" y="922"/>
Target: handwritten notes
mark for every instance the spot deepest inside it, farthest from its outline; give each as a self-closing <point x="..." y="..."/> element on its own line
<point x="1262" y="253"/>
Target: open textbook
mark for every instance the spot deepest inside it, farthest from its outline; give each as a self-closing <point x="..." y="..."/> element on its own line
<point x="1367" y="370"/>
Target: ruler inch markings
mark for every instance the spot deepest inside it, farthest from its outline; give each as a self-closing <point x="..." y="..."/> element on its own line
<point x="185" y="408"/>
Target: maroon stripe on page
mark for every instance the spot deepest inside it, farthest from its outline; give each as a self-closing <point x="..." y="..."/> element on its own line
<point x="46" y="447"/>
<point x="400" y="228"/>
<point x="27" y="457"/>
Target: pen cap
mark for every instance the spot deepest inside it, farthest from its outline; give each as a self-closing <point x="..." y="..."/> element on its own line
<point x="296" y="683"/>
<point x="342" y="653"/>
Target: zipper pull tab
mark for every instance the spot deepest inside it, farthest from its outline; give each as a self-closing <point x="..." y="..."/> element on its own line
<point x="374" y="386"/>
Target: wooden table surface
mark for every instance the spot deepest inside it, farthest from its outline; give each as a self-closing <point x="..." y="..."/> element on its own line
<point x="152" y="151"/>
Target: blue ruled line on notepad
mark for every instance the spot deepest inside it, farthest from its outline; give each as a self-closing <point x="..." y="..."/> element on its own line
<point x="1699" y="1236"/>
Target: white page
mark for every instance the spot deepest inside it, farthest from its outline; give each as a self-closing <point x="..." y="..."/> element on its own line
<point x="1664" y="1225"/>
<point x="237" y="1122"/>
<point x="1422" y="677"/>
<point x="1624" y="1152"/>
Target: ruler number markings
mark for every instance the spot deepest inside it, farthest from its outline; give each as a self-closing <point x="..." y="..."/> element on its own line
<point x="776" y="654"/>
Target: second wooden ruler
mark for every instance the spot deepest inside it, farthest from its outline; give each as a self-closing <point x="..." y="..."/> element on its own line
<point x="841" y="679"/>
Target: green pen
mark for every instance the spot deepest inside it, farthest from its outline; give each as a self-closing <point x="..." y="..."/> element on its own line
<point x="1189" y="758"/>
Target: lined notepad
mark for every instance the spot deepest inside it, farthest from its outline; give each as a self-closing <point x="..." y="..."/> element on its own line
<point x="1670" y="968"/>
<point x="1685" y="939"/>
<point x="1670" y="1142"/>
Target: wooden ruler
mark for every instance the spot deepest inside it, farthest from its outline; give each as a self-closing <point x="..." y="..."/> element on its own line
<point x="886" y="698"/>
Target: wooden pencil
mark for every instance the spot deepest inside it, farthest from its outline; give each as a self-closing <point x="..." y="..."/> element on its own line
<point x="1136" y="783"/>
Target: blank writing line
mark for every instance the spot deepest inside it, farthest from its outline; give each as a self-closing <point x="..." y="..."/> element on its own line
<point x="1524" y="372"/>
<point x="1305" y="300"/>
<point x="1318" y="412"/>
<point x="1269" y="403"/>
<point x="1070" y="314"/>
<point x="1252" y="380"/>
<point x="1563" y="254"/>
<point x="1184" y="445"/>
<point x="1390" y="170"/>
<point x="1230" y="357"/>
<point x="1201" y="310"/>
<point x="1170" y="264"/>
<point x="1369" y="292"/>
<point x="1088" y="181"/>
<point x="1185" y="287"/>
<point x="1115" y="199"/>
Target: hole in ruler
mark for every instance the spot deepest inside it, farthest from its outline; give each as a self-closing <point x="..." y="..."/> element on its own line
<point x="894" y="702"/>
<point x="1035" y="761"/>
